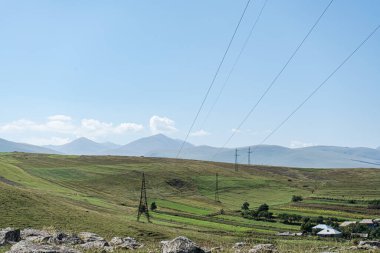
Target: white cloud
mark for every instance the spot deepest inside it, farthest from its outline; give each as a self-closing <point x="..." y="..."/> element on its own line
<point x="59" y="117"/>
<point x="47" y="141"/>
<point x="200" y="133"/>
<point x="159" y="124"/>
<point x="94" y="128"/>
<point x="236" y="130"/>
<point x="300" y="144"/>
<point x="64" y="127"/>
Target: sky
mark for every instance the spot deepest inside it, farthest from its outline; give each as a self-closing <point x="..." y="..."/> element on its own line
<point x="121" y="70"/>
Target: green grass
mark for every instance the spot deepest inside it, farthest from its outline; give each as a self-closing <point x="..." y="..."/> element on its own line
<point x="101" y="194"/>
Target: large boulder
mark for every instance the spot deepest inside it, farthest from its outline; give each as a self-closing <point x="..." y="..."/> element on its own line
<point x="92" y="241"/>
<point x="9" y="235"/>
<point x="90" y="237"/>
<point x="35" y="235"/>
<point x="63" y="238"/>
<point x="124" y="243"/>
<point x="180" y="244"/>
<point x="263" y="248"/>
<point x="239" y="245"/>
<point x="30" y="247"/>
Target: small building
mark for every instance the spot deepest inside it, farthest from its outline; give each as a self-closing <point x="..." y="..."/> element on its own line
<point x="329" y="232"/>
<point x="368" y="222"/>
<point x="359" y="235"/>
<point x="321" y="227"/>
<point x="347" y="223"/>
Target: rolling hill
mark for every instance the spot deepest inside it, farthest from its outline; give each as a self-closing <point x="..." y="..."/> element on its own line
<point x="101" y="194"/>
<point x="9" y="146"/>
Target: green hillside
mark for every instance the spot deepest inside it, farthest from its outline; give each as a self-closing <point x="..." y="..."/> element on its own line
<point x="101" y="194"/>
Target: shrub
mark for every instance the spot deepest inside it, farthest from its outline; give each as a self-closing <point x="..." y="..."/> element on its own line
<point x="296" y="198"/>
<point x="153" y="206"/>
<point x="374" y="204"/>
<point x="263" y="207"/>
<point x="245" y="206"/>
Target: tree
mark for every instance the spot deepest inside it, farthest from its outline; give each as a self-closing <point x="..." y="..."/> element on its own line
<point x="307" y="226"/>
<point x="153" y="206"/>
<point x="375" y="233"/>
<point x="263" y="207"/>
<point x="245" y="206"/>
<point x="374" y="204"/>
<point x="284" y="217"/>
<point x="296" y="198"/>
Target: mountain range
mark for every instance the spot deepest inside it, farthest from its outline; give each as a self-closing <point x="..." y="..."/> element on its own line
<point x="163" y="146"/>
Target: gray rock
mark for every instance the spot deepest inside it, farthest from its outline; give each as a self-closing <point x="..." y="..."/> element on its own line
<point x="369" y="245"/>
<point x="239" y="245"/>
<point x="216" y="250"/>
<point x="90" y="237"/>
<point x="63" y="238"/>
<point x="125" y="243"/>
<point x="9" y="235"/>
<point x="263" y="248"/>
<point x="180" y="244"/>
<point x="35" y="235"/>
<point x="30" y="247"/>
<point x="95" y="245"/>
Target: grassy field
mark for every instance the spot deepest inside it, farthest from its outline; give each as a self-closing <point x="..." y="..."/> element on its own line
<point x="101" y="194"/>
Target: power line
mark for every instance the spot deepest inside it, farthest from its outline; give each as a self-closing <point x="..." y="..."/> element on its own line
<point x="321" y="85"/>
<point x="278" y="75"/>
<point x="234" y="64"/>
<point x="213" y="79"/>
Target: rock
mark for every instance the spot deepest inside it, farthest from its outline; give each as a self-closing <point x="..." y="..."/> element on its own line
<point x="90" y="237"/>
<point x="239" y="245"/>
<point x="9" y="235"/>
<point x="125" y="243"/>
<point x="35" y="235"/>
<point x="95" y="245"/>
<point x="369" y="245"/>
<point x="30" y="247"/>
<point x="62" y="238"/>
<point x="263" y="248"/>
<point x="180" y="244"/>
<point x="216" y="250"/>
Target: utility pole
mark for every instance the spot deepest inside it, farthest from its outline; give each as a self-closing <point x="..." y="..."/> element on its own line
<point x="249" y="155"/>
<point x="236" y="160"/>
<point x="143" y="206"/>
<point x="217" y="188"/>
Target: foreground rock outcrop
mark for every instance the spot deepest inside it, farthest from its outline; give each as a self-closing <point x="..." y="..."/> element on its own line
<point x="263" y="248"/>
<point x="42" y="241"/>
<point x="180" y="244"/>
<point x="9" y="235"/>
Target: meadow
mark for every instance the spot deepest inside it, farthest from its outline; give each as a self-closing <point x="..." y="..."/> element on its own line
<point x="101" y="194"/>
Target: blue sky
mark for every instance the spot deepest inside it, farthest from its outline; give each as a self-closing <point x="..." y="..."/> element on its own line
<point x="120" y="70"/>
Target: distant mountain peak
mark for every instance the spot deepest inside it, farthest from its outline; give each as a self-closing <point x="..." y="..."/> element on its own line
<point x="82" y="139"/>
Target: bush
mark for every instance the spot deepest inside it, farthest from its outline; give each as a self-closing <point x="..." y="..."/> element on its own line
<point x="245" y="206"/>
<point x="307" y="226"/>
<point x="296" y="198"/>
<point x="290" y="218"/>
<point x="374" y="204"/>
<point x="263" y="207"/>
<point x="153" y="206"/>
